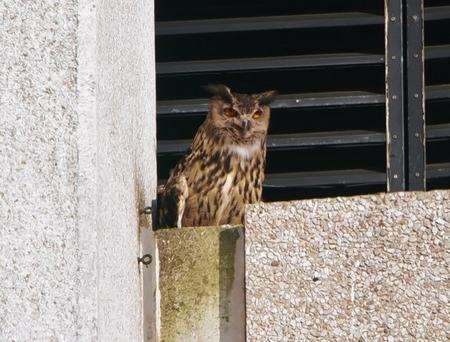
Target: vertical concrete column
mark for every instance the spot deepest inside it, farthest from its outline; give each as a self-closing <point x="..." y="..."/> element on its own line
<point x="77" y="163"/>
<point x="201" y="284"/>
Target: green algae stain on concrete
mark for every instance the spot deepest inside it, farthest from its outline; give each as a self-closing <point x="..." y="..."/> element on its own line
<point x="195" y="279"/>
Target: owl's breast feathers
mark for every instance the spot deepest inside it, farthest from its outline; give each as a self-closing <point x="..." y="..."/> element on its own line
<point x="220" y="179"/>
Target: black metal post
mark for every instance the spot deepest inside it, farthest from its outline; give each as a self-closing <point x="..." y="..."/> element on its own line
<point x="415" y="57"/>
<point x="395" y="142"/>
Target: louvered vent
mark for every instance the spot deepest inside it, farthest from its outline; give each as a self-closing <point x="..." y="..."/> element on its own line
<point x="437" y="92"/>
<point x="326" y="58"/>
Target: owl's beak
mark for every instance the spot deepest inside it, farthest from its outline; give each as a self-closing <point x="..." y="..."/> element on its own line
<point x="245" y="128"/>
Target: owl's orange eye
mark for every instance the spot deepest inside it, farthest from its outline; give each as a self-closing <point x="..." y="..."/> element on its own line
<point x="257" y="114"/>
<point x="230" y="112"/>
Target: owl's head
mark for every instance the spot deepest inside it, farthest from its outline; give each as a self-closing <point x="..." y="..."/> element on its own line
<point x="242" y="118"/>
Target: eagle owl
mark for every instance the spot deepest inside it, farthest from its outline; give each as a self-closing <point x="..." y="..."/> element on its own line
<point x="224" y="168"/>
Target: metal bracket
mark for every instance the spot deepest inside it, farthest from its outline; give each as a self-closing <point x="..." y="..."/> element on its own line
<point x="415" y="57"/>
<point x="150" y="211"/>
<point x="146" y="259"/>
<point x="395" y="144"/>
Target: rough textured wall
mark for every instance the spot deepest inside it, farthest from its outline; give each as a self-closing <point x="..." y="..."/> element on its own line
<point x="201" y="282"/>
<point x="76" y="150"/>
<point x="127" y="165"/>
<point x="358" y="268"/>
<point x="39" y="246"/>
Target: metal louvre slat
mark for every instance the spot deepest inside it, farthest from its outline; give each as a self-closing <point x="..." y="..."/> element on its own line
<point x="325" y="99"/>
<point x="440" y="131"/>
<point x="437" y="92"/>
<point x="299" y="140"/>
<point x="437" y="51"/>
<point x="267" y="23"/>
<point x="437" y="13"/>
<point x="438" y="170"/>
<point x="329" y="178"/>
<point x="261" y="63"/>
<point x="325" y="178"/>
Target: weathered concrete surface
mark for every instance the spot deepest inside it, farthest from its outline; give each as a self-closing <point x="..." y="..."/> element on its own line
<point x="126" y="115"/>
<point x="201" y="283"/>
<point x="358" y="268"/>
<point x="77" y="151"/>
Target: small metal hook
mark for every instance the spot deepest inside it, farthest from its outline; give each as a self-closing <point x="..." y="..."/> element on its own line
<point x="146" y="259"/>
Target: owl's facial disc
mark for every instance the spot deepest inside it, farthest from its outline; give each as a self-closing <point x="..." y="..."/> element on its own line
<point x="243" y="118"/>
<point x="245" y="124"/>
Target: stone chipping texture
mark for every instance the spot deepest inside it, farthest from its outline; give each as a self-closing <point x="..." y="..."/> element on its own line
<point x="366" y="268"/>
<point x="39" y="246"/>
<point x="77" y="156"/>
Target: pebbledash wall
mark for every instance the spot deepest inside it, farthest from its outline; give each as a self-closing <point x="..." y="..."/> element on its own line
<point x="77" y="162"/>
<point x="363" y="268"/>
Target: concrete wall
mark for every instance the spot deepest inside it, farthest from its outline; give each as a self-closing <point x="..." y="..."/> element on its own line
<point x="77" y="157"/>
<point x="359" y="268"/>
<point x="353" y="268"/>
<point x="201" y="284"/>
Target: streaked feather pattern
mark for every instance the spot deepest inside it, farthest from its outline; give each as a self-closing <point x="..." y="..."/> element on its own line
<point x="224" y="168"/>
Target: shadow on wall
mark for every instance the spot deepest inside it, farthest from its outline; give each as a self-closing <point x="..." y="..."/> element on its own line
<point x="231" y="285"/>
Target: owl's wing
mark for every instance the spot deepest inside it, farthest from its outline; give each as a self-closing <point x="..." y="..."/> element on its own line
<point x="172" y="202"/>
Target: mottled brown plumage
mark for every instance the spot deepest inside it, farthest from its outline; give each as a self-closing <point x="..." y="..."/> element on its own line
<point x="224" y="168"/>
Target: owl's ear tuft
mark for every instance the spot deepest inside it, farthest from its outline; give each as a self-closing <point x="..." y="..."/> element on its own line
<point x="221" y="91"/>
<point x="267" y="97"/>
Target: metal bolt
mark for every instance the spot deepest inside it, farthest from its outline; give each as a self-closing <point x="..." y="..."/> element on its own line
<point x="394" y="57"/>
<point x="394" y="136"/>
<point x="417" y="135"/>
<point x="416" y="95"/>
<point x="395" y="176"/>
<point x="393" y="18"/>
<point x="415" y="17"/>
<point x="394" y="97"/>
<point x="417" y="174"/>
<point x="416" y="55"/>
<point x="297" y="101"/>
